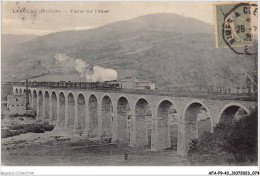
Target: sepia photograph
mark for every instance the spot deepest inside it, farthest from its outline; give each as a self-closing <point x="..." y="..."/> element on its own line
<point x="127" y="83"/>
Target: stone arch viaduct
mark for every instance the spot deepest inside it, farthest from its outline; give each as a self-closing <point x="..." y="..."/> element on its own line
<point x="122" y="115"/>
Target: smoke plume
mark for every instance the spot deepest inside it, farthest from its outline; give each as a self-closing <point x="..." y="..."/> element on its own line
<point x="92" y="74"/>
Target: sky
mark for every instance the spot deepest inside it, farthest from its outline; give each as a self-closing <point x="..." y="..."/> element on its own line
<point x="37" y="22"/>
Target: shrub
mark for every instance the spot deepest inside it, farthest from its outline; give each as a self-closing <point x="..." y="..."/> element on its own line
<point x="26" y="128"/>
<point x="230" y="144"/>
<point x="6" y="133"/>
<point x="243" y="141"/>
<point x="48" y="127"/>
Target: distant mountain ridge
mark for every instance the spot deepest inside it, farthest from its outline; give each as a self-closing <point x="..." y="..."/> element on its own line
<point x="170" y="50"/>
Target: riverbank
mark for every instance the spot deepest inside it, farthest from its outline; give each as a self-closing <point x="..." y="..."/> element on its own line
<point x="50" y="149"/>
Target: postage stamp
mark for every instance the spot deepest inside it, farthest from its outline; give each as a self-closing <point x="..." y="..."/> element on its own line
<point x="235" y="24"/>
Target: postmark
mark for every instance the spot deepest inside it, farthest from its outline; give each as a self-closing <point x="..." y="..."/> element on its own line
<point x="236" y="26"/>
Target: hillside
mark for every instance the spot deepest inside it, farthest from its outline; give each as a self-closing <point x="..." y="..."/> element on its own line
<point x="171" y="50"/>
<point x="11" y="41"/>
<point x="15" y="39"/>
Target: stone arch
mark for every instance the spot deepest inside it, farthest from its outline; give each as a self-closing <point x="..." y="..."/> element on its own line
<point x="93" y="116"/>
<point x="16" y="91"/>
<point x="61" y="115"/>
<point x="143" y="125"/>
<point x="20" y="92"/>
<point x="232" y="111"/>
<point x="46" y="105"/>
<point x="142" y="97"/>
<point x="124" y="120"/>
<point x="71" y="110"/>
<point x="30" y="98"/>
<point x="81" y="112"/>
<point x="34" y="99"/>
<point x="107" y="116"/>
<point x="40" y="111"/>
<point x="167" y="124"/>
<point x="197" y="119"/>
<point x="53" y="106"/>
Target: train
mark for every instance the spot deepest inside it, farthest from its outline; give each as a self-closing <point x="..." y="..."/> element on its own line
<point x="106" y="85"/>
<point x="114" y="84"/>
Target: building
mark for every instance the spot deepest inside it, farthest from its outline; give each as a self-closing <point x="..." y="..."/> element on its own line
<point x="137" y="84"/>
<point x="16" y="104"/>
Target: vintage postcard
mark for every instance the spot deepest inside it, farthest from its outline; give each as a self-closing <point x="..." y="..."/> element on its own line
<point x="129" y="84"/>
